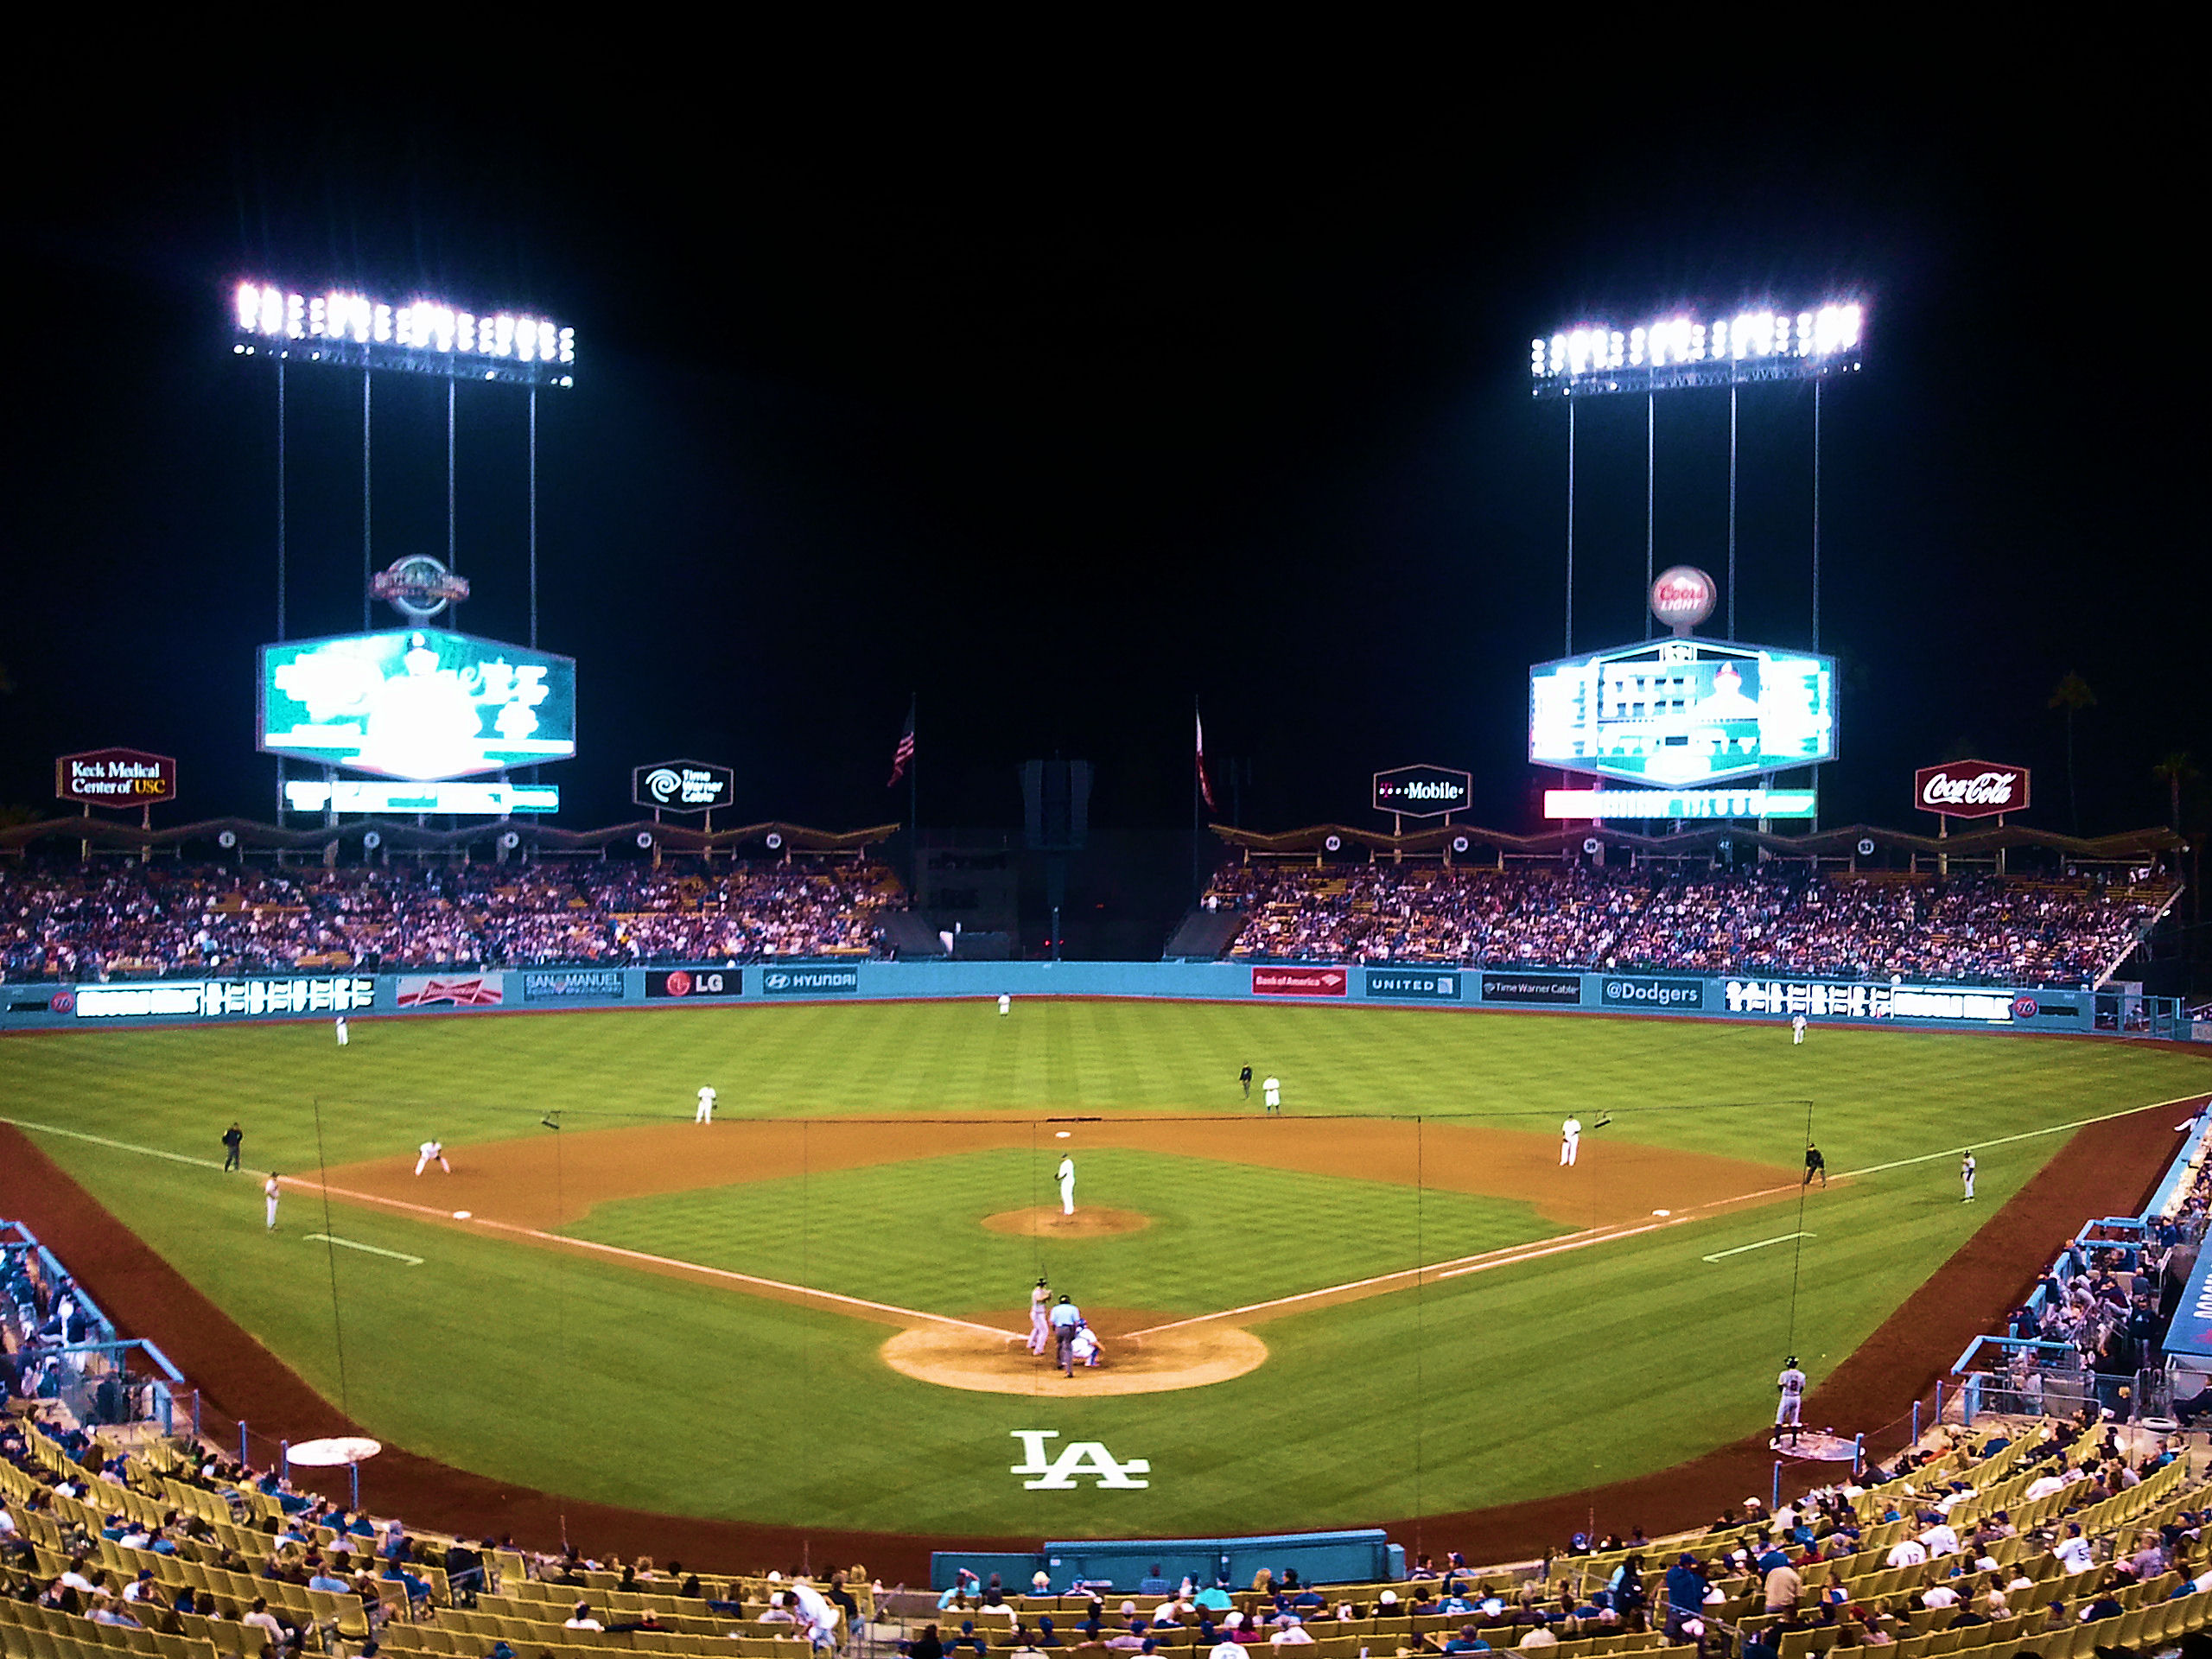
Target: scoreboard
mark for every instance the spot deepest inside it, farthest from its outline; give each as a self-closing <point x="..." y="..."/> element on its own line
<point x="1680" y="713"/>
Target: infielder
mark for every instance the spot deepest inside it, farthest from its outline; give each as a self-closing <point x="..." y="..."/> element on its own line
<point x="1966" y="1177"/>
<point x="431" y="1152"/>
<point x="1570" y="1140"/>
<point x="1790" y="1412"/>
<point x="1067" y="1189"/>
<point x="1040" y="1316"/>
<point x="1006" y="1005"/>
<point x="341" y="1031"/>
<point x="1271" y="1090"/>
<point x="271" y="1191"/>
<point x="1797" y="1029"/>
<point x="706" y="1112"/>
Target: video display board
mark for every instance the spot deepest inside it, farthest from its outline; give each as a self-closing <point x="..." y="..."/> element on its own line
<point x="1682" y="712"/>
<point x="417" y="704"/>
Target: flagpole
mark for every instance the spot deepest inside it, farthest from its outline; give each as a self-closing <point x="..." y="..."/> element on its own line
<point x="914" y="802"/>
<point x="1197" y="804"/>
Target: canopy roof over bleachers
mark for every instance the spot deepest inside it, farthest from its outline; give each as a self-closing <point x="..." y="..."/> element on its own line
<point x="1701" y="840"/>
<point x="404" y="834"/>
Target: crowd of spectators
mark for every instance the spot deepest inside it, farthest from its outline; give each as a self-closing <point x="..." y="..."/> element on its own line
<point x="91" y="921"/>
<point x="1976" y="928"/>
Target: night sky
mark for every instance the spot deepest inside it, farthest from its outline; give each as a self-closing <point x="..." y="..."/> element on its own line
<point x="1060" y="414"/>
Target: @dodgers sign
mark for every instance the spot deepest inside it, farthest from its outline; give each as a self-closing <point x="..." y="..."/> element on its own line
<point x="1076" y="1458"/>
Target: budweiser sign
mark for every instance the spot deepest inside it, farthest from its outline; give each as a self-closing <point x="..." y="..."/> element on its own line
<point x="1971" y="789"/>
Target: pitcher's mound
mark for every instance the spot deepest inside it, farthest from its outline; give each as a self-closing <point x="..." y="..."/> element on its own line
<point x="956" y="1357"/>
<point x="1046" y="1221"/>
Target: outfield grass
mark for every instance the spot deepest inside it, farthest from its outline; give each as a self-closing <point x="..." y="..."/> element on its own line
<point x="584" y="1376"/>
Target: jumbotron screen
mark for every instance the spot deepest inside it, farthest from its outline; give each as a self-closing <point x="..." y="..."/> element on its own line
<point x="1682" y="712"/>
<point x="416" y="704"/>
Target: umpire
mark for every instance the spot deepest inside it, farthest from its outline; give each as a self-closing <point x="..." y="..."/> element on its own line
<point x="1067" y="1319"/>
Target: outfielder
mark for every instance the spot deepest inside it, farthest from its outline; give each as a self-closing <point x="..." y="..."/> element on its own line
<point x="271" y="1191"/>
<point x="431" y="1152"/>
<point x="1789" y="1413"/>
<point x="1271" y="1090"/>
<point x="1040" y="1316"/>
<point x="706" y="1112"/>
<point x="341" y="1031"/>
<point x="1966" y="1177"/>
<point x="1067" y="1189"/>
<point x="1006" y="1005"/>
<point x="1570" y="1140"/>
<point x="1797" y="1029"/>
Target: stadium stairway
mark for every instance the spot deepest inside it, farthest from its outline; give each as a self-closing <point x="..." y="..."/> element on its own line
<point x="909" y="935"/>
<point x="1203" y="935"/>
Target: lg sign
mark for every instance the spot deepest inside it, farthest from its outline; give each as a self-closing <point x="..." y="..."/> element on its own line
<point x="1971" y="789"/>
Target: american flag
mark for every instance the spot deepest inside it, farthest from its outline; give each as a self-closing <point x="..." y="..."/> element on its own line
<point x="903" y="755"/>
<point x="1205" y="783"/>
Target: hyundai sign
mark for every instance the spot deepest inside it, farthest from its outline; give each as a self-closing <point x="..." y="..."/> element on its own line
<point x="417" y="704"/>
<point x="1676" y="713"/>
<point x="1422" y="791"/>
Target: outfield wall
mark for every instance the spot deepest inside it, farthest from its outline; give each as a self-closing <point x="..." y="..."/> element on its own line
<point x="182" y="1001"/>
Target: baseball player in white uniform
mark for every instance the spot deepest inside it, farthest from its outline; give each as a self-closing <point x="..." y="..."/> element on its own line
<point x="1067" y="1186"/>
<point x="1084" y="1349"/>
<point x="431" y="1152"/>
<point x="706" y="1112"/>
<point x="1790" y="1411"/>
<point x="1006" y="1005"/>
<point x="1966" y="1177"/>
<point x="1797" y="1029"/>
<point x="1040" y="1316"/>
<point x="1570" y="1140"/>
<point x="1271" y="1091"/>
<point x="272" y="1191"/>
<point x="341" y="1031"/>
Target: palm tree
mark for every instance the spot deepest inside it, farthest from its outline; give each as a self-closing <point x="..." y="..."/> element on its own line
<point x="2174" y="770"/>
<point x="2072" y="694"/>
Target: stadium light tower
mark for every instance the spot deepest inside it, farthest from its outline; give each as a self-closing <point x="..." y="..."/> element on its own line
<point x="344" y="329"/>
<point x="1680" y="351"/>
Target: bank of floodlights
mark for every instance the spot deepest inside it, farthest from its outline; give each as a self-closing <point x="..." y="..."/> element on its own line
<point x="421" y="337"/>
<point x="1683" y="351"/>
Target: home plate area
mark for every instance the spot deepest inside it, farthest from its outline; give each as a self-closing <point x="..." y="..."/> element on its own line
<point x="1134" y="1361"/>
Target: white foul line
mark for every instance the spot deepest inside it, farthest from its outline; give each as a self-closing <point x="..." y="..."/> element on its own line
<point x="122" y="1146"/>
<point x="803" y="1292"/>
<point x="1779" y="1238"/>
<point x="2024" y="1135"/>
<point x="371" y="1250"/>
<point x="1507" y="1256"/>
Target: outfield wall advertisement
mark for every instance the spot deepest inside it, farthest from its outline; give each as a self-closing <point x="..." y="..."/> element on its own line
<point x="176" y="1001"/>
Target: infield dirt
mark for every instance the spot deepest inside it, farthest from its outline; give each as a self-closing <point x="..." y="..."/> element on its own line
<point x="553" y="1181"/>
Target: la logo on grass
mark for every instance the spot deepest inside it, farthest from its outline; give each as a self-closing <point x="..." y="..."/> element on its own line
<point x="1076" y="1458"/>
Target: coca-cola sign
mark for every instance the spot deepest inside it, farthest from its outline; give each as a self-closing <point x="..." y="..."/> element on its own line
<point x="1971" y="789"/>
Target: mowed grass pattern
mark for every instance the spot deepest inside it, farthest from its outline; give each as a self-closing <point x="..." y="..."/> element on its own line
<point x="912" y="1234"/>
<point x="584" y="1376"/>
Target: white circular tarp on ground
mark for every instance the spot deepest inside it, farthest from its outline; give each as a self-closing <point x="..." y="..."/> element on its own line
<point x="335" y="1451"/>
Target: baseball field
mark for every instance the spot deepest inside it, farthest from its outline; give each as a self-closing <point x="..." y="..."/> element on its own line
<point x="1389" y="1301"/>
